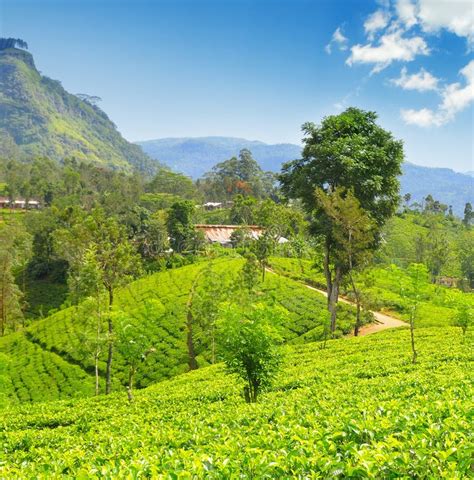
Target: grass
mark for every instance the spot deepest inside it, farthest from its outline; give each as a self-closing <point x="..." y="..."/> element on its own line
<point x="357" y="409"/>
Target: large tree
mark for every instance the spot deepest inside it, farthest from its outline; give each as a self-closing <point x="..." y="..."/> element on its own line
<point x="235" y="176"/>
<point x="350" y="151"/>
<point x="183" y="236"/>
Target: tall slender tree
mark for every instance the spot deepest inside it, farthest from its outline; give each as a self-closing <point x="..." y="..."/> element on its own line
<point x="354" y="231"/>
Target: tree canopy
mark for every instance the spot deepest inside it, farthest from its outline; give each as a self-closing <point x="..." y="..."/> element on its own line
<point x="12" y="43"/>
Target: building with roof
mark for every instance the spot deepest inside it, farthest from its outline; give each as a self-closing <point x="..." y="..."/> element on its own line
<point x="223" y="234"/>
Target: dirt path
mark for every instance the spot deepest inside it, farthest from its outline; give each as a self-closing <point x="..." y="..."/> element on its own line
<point x="382" y="320"/>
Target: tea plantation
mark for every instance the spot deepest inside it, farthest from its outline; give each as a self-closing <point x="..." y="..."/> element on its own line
<point x="356" y="409"/>
<point x="47" y="361"/>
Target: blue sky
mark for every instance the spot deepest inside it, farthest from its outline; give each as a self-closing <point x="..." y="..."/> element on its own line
<point x="259" y="69"/>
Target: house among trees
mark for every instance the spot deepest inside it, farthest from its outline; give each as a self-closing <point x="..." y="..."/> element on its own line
<point x="447" y="281"/>
<point x="19" y="204"/>
<point x="209" y="206"/>
<point x="228" y="235"/>
<point x="223" y="234"/>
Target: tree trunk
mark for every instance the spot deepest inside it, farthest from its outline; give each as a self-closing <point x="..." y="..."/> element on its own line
<point x="327" y="273"/>
<point x="357" y="296"/>
<point x="332" y="287"/>
<point x="412" y="334"/>
<point x="333" y="298"/>
<point x="131" y="374"/>
<point x="108" y="373"/>
<point x="97" y="345"/>
<point x="96" y="358"/>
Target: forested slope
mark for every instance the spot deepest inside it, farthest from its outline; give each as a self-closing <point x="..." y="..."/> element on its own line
<point x="39" y="118"/>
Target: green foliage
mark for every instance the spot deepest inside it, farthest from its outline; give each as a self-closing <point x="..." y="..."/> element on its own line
<point x="348" y="150"/>
<point x="42" y="297"/>
<point x="183" y="236"/>
<point x="12" y="43"/>
<point x="172" y="183"/>
<point x="465" y="245"/>
<point x="248" y="340"/>
<point x="262" y="248"/>
<point x="34" y="374"/>
<point x="468" y="214"/>
<point x="464" y="317"/>
<point x="15" y="245"/>
<point x="243" y="210"/>
<point x="384" y="289"/>
<point x="250" y="273"/>
<point x="356" y="409"/>
<point x="237" y="176"/>
<point x="438" y="241"/>
<point x="135" y="341"/>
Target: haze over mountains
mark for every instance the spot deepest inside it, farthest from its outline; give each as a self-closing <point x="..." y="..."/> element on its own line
<point x="196" y="156"/>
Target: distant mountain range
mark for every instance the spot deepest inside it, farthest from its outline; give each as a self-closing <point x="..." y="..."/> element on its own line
<point x="39" y="118"/>
<point x="196" y="156"/>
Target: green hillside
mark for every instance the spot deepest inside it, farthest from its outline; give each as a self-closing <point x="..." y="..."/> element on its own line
<point x="357" y="409"/>
<point x="382" y="287"/>
<point x="39" y="118"/>
<point x="46" y="361"/>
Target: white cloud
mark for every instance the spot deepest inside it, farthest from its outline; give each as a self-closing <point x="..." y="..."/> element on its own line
<point x="375" y="22"/>
<point x="392" y="47"/>
<point x="455" y="98"/>
<point x="337" y="39"/>
<point x="422" y="81"/>
<point x="421" y="118"/>
<point x="457" y="16"/>
<point x="406" y="11"/>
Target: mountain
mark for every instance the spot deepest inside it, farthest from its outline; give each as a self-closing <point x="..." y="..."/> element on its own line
<point x="195" y="156"/>
<point x="444" y="184"/>
<point x="39" y="118"/>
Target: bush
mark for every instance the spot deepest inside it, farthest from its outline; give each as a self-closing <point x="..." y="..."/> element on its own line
<point x="249" y="345"/>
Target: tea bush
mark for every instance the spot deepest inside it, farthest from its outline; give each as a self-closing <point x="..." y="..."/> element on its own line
<point x="356" y="409"/>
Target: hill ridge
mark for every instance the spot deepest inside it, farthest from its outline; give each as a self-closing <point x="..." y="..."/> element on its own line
<point x="38" y="117"/>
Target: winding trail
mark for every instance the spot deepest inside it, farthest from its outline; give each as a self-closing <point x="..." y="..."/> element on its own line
<point x="382" y="320"/>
